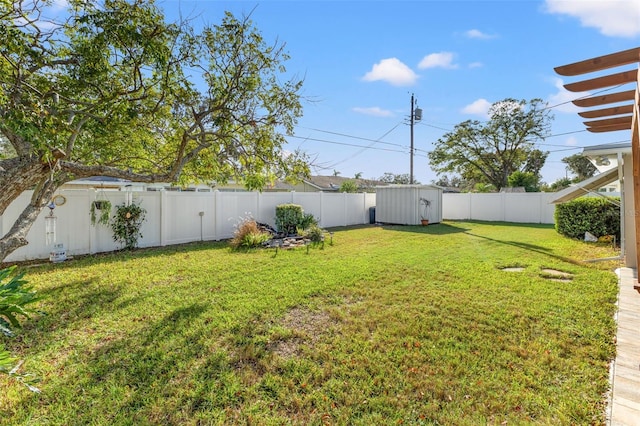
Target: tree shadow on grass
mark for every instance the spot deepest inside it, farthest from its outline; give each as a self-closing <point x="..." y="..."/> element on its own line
<point x="58" y="312"/>
<point x="120" y="256"/>
<point x="432" y="229"/>
<point x="529" y="247"/>
<point x="126" y="377"/>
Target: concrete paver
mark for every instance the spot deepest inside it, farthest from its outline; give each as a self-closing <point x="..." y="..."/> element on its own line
<point x="624" y="404"/>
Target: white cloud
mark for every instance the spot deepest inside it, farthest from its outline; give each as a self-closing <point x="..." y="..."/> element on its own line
<point x="438" y="60"/>
<point x="561" y="100"/>
<point x="478" y="34"/>
<point x="615" y="18"/>
<point x="476" y="65"/>
<point x="374" y="111"/>
<point x="478" y="107"/>
<point x="571" y="141"/>
<point x="393" y="71"/>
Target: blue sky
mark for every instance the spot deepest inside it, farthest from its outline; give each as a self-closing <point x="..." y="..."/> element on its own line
<point x="362" y="60"/>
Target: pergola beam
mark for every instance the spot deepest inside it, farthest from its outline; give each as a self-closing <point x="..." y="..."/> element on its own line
<point x="600" y="63"/>
<point x="611" y="128"/>
<point x="605" y="112"/>
<point x="626" y="120"/>
<point x="611" y="98"/>
<point x="616" y="79"/>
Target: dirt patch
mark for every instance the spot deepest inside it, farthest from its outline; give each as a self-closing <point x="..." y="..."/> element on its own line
<point x="307" y="327"/>
<point x="556" y="275"/>
<point x="513" y="269"/>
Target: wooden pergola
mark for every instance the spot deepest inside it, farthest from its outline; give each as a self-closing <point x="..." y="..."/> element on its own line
<point x="624" y="116"/>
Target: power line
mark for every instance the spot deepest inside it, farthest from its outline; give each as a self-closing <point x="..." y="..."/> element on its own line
<point x="348" y="144"/>
<point x="354" y="155"/>
<point x="585" y="96"/>
<point x="358" y="137"/>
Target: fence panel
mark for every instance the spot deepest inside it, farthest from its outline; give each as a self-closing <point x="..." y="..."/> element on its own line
<point x="532" y="207"/>
<point x="268" y="203"/>
<point x="310" y="201"/>
<point x="174" y="217"/>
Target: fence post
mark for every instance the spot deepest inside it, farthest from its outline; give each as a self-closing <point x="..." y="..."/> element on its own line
<point x="344" y="209"/>
<point x="364" y="208"/>
<point x="258" y="216"/>
<point x="217" y="208"/>
<point x="321" y="208"/>
<point x="163" y="218"/>
<point x="90" y="198"/>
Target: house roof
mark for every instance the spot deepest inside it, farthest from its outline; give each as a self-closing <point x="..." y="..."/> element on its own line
<point x="608" y="148"/>
<point x="333" y="183"/>
<point x="586" y="186"/>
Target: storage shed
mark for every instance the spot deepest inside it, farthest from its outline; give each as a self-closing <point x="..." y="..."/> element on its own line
<point x="408" y="204"/>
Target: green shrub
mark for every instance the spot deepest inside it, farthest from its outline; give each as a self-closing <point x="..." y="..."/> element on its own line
<point x="595" y="215"/>
<point x="291" y="219"/>
<point x="248" y="234"/>
<point x="314" y="233"/>
<point x="307" y="221"/>
<point x="288" y="218"/>
<point x="126" y="225"/>
<point x="14" y="300"/>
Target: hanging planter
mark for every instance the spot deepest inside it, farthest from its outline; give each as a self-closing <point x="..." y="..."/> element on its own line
<point x="100" y="212"/>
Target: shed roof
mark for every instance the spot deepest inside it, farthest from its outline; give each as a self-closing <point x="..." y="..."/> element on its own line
<point x="586" y="186"/>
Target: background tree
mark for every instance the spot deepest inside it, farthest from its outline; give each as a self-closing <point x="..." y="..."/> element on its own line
<point x="558" y="185"/>
<point x="114" y="90"/>
<point x="580" y="166"/>
<point x="454" y="181"/>
<point x="527" y="180"/>
<point x="350" y="186"/>
<point x="483" y="187"/>
<point x="497" y="148"/>
<point x="399" y="179"/>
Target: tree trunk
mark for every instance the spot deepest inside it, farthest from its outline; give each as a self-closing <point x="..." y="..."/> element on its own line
<point x="16" y="176"/>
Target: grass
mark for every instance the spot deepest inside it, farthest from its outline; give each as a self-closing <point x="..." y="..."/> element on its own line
<point x="388" y="325"/>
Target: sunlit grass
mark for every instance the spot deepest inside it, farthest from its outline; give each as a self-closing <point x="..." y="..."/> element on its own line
<point x="387" y="325"/>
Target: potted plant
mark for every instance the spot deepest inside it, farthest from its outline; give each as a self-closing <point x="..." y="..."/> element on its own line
<point x="426" y="206"/>
<point x="104" y="207"/>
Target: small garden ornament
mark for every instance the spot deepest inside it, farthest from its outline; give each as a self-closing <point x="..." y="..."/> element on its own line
<point x="426" y="206"/>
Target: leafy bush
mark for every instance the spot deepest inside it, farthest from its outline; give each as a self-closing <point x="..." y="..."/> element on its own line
<point x="314" y="233"/>
<point x="307" y="221"/>
<point x="291" y="219"/>
<point x="595" y="215"/>
<point x="248" y="234"/>
<point x="288" y="218"/>
<point x="126" y="224"/>
<point x="350" y="186"/>
<point x="14" y="298"/>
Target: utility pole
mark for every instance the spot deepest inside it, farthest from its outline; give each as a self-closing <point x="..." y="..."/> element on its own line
<point x="416" y="115"/>
<point x="411" y="150"/>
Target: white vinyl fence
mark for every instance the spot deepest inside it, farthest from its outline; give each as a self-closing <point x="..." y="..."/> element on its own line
<point x="180" y="217"/>
<point x="176" y="217"/>
<point x="529" y="207"/>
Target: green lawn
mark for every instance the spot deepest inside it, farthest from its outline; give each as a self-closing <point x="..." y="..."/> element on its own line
<point x="387" y="325"/>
